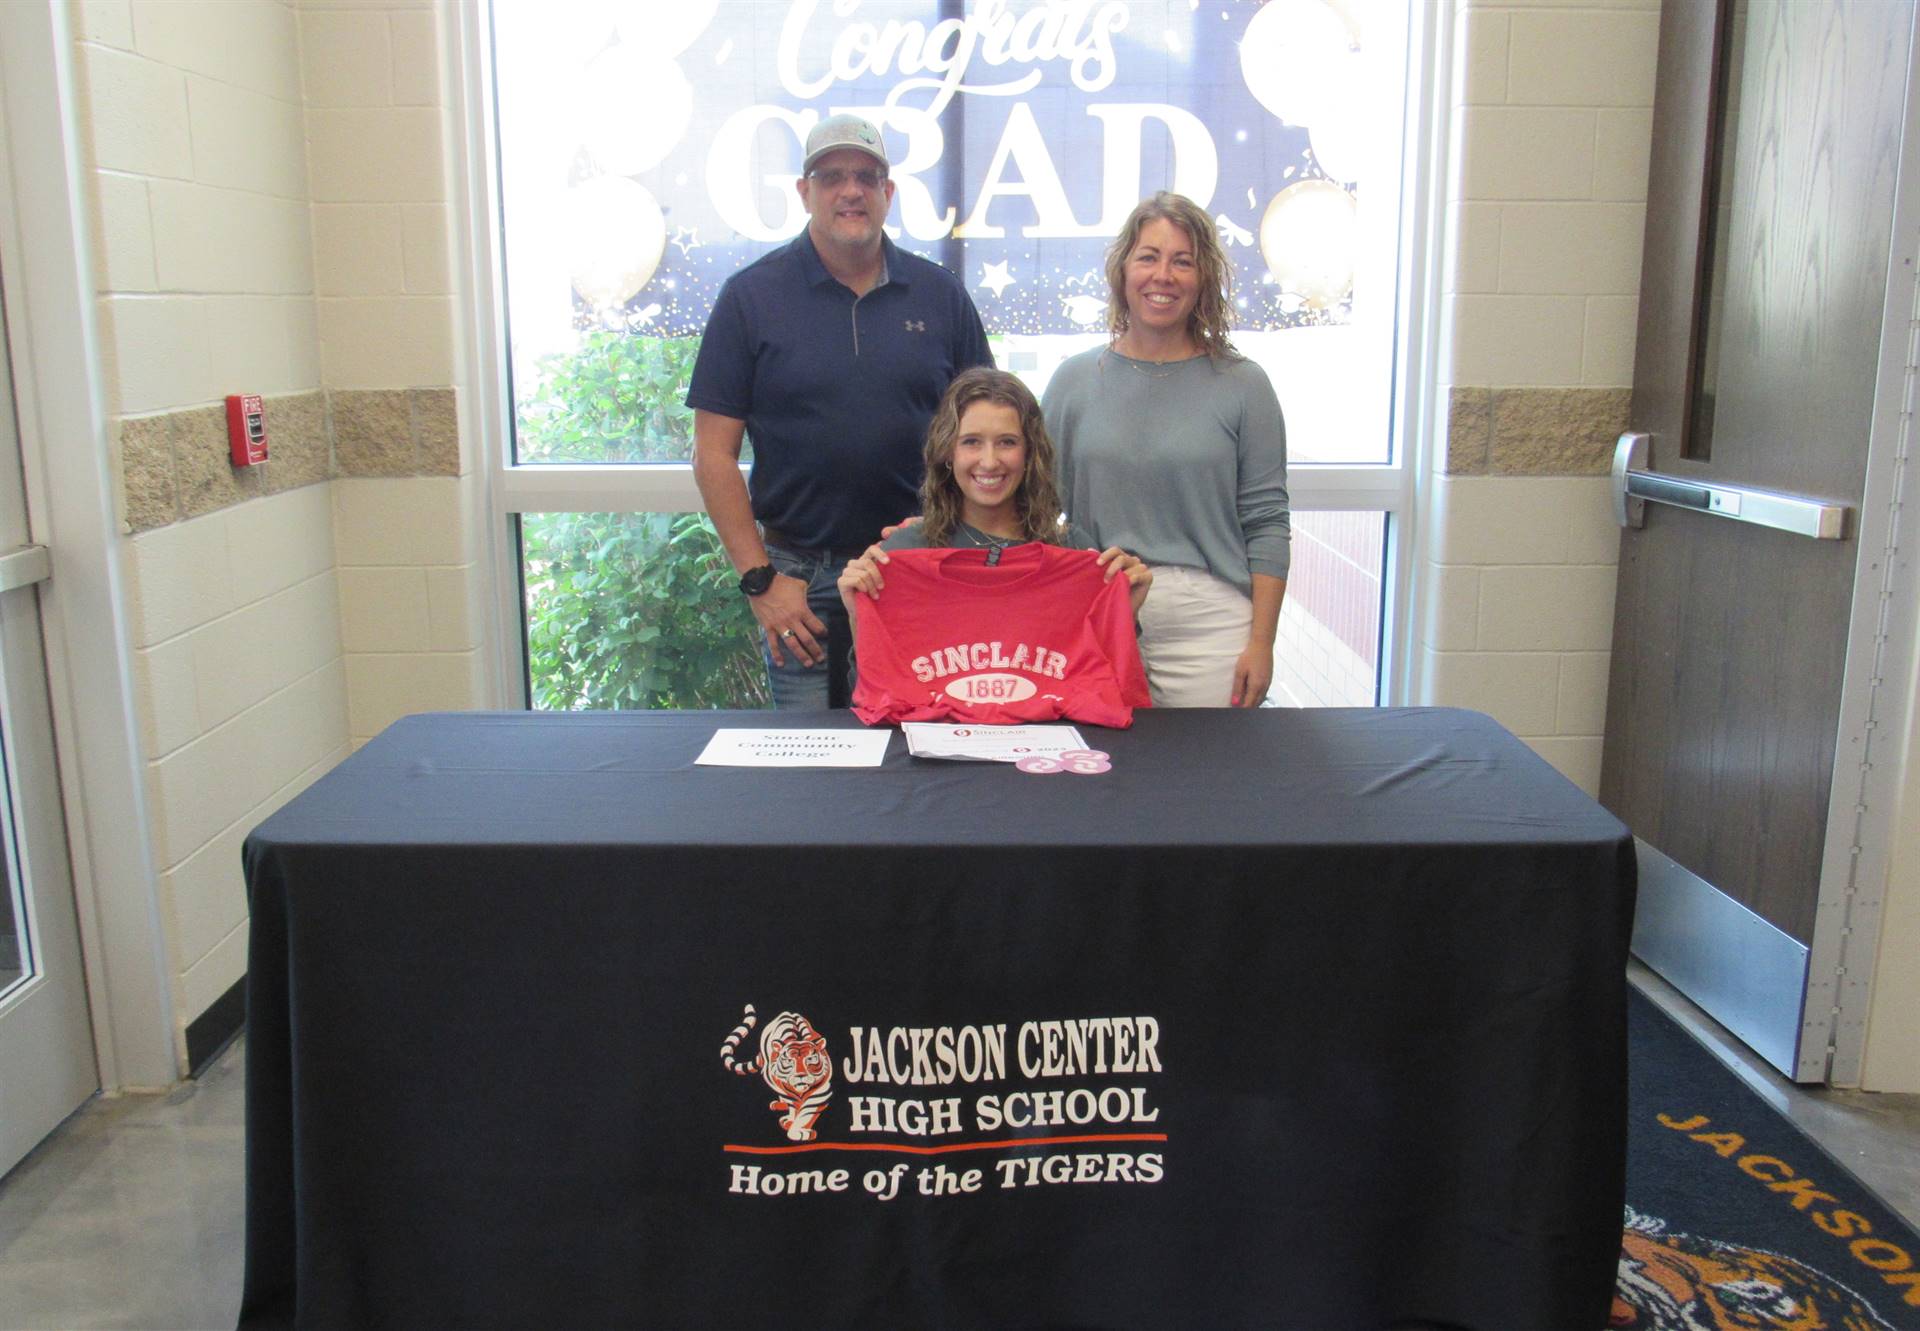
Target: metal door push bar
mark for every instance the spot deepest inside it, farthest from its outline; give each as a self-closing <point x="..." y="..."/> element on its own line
<point x="1634" y="487"/>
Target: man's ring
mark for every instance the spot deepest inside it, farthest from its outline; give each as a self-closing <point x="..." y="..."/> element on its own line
<point x="786" y="633"/>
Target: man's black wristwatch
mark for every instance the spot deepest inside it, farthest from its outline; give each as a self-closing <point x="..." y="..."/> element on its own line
<point x="756" y="580"/>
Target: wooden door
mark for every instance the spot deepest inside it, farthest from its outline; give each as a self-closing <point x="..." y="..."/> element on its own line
<point x="1776" y="143"/>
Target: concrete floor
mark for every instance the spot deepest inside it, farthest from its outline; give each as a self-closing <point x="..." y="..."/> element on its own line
<point x="130" y="1214"/>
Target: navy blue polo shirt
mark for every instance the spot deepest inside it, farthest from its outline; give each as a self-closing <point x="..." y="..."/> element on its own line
<point x="836" y="391"/>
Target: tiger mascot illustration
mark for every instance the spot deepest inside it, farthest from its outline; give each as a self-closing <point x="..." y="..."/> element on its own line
<point x="1683" y="1282"/>
<point x="793" y="1061"/>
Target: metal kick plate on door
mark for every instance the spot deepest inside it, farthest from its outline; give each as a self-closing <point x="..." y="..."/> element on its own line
<point x="1634" y="487"/>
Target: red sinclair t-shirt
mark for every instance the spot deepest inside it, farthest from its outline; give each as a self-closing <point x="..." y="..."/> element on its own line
<point x="1037" y="636"/>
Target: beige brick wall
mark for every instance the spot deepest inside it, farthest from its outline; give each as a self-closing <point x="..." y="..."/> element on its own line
<point x="269" y="216"/>
<point x="193" y="121"/>
<point x="410" y="576"/>
<point x="1546" y="204"/>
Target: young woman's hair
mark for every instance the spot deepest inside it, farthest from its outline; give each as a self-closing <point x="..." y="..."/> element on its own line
<point x="1212" y="317"/>
<point x="1036" y="502"/>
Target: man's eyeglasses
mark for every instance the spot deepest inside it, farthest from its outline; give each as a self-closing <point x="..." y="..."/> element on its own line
<point x="834" y="177"/>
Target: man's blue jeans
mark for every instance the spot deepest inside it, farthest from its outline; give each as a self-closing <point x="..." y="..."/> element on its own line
<point x="802" y="687"/>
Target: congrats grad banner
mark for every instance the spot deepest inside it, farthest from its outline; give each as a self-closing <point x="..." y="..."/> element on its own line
<point x="649" y="150"/>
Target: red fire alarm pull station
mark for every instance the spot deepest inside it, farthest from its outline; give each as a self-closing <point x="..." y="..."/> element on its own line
<point x="247" y="429"/>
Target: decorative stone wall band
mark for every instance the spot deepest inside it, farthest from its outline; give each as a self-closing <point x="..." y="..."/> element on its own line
<point x="175" y="465"/>
<point x="1533" y="431"/>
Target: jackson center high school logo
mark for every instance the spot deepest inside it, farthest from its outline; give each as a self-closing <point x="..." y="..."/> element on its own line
<point x="1041" y="1102"/>
<point x="794" y="1063"/>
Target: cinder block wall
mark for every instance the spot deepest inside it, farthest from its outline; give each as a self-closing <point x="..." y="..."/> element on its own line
<point x="194" y="121"/>
<point x="269" y="216"/>
<point x="410" y="594"/>
<point x="1546" y="204"/>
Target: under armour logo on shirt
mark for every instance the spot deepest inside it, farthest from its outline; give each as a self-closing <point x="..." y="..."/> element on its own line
<point x="916" y="325"/>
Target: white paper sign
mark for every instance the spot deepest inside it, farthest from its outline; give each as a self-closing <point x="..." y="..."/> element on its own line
<point x="795" y="748"/>
<point x="989" y="744"/>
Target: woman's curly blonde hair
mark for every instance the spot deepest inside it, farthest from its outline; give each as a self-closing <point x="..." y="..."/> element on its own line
<point x="1037" y="501"/>
<point x="1212" y="317"/>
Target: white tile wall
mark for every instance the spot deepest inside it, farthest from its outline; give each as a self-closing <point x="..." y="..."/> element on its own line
<point x="207" y="979"/>
<point x="154" y="351"/>
<point x="241" y="696"/>
<point x="1568" y="247"/>
<point x="1576" y="756"/>
<point x="386" y="342"/>
<point x="1526" y="152"/>
<point x="357" y="249"/>
<point x="424" y="244"/>
<point x="167" y="696"/>
<point x="123" y="247"/>
<point x="250" y="157"/>
<point x="375" y="155"/>
<point x="1518" y="609"/>
<point x="382" y="688"/>
<point x="107" y="22"/>
<point x="1582" y="58"/>
<point x="198" y="138"/>
<point x="250" y="45"/>
<point x="246" y="140"/>
<point x="247" y="347"/>
<point x="1518" y="339"/>
<point x="453" y="609"/>
<point x="416" y="58"/>
<point x="1552" y="106"/>
<point x="376" y="164"/>
<point x="1552" y="607"/>
<point x="1480" y="41"/>
<point x="279" y="542"/>
<point x="409" y="597"/>
<point x="303" y="341"/>
<point x="1610" y="337"/>
<point x="206" y="238"/>
<point x="1473" y="265"/>
<point x="1622" y="140"/>
<point x="1520" y="690"/>
<point x="346" y="58"/>
<point x="385" y="610"/>
<point x="137" y="114"/>
<point x="421" y="520"/>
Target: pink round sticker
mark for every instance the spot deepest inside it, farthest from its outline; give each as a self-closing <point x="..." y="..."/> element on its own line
<point x="1081" y="762"/>
<point x="1085" y="762"/>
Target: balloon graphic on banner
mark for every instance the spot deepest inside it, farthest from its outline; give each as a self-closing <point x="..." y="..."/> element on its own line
<point x="615" y="234"/>
<point x="634" y="109"/>
<point x="667" y="29"/>
<point x="1299" y="60"/>
<point x="1308" y="239"/>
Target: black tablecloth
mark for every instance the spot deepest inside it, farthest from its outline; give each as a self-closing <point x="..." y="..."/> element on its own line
<point x="1303" y="1018"/>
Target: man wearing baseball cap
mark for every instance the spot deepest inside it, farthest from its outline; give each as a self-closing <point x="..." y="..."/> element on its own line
<point x="831" y="353"/>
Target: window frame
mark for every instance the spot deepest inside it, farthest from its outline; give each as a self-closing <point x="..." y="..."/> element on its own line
<point x="508" y="489"/>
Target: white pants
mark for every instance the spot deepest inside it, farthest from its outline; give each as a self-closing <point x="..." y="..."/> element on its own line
<point x="1193" y="628"/>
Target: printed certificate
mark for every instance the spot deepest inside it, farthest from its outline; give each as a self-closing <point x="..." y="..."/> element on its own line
<point x="989" y="744"/>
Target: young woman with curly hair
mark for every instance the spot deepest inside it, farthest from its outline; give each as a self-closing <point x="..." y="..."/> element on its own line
<point x="989" y="484"/>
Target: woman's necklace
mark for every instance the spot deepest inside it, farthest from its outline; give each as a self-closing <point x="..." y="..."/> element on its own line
<point x="1153" y="369"/>
<point x="992" y="544"/>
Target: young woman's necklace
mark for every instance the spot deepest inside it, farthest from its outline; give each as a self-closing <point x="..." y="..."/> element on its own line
<point x="992" y="544"/>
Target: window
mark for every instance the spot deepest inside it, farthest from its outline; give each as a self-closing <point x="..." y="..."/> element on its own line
<point x="647" y="152"/>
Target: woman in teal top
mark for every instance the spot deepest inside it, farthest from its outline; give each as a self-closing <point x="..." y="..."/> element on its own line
<point x="1173" y="447"/>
